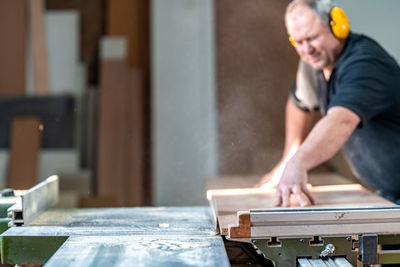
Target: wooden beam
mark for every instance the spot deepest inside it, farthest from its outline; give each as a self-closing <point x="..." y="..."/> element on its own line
<point x="25" y="143"/>
<point x="131" y="18"/>
<point x="112" y="120"/>
<point x="39" y="47"/>
<point x="121" y="146"/>
<point x="134" y="154"/>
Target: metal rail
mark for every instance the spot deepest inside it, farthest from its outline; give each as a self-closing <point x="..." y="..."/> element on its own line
<point x="313" y="222"/>
<point x="34" y="201"/>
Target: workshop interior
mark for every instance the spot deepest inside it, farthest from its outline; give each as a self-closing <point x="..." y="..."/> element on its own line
<point x="132" y="133"/>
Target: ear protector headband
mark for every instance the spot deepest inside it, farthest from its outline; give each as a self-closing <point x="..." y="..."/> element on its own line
<point x="338" y="22"/>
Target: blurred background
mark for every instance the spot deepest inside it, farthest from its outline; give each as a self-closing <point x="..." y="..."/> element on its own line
<point x="139" y="102"/>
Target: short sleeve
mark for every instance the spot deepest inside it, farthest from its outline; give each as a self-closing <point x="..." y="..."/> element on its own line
<point x="304" y="93"/>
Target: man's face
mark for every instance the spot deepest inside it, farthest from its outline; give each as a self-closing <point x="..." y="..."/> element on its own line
<point x="315" y="43"/>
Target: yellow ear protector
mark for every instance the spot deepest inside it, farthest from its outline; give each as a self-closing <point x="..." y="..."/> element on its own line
<point x="340" y="25"/>
<point x="338" y="22"/>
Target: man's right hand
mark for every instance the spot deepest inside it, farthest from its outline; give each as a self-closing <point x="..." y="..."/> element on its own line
<point x="293" y="181"/>
<point x="271" y="179"/>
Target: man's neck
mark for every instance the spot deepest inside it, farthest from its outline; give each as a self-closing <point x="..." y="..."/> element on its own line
<point x="327" y="71"/>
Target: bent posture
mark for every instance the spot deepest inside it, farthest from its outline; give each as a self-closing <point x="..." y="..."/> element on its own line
<point x="355" y="84"/>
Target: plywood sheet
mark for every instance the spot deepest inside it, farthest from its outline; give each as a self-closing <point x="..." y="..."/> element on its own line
<point x="227" y="202"/>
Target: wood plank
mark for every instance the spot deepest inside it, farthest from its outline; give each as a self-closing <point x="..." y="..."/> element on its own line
<point x="13" y="47"/>
<point x="228" y="202"/>
<point x="134" y="156"/>
<point x="26" y="139"/>
<point x="244" y="181"/>
<point x="39" y="47"/>
<point x="121" y="137"/>
<point x="112" y="120"/>
<point x="131" y="18"/>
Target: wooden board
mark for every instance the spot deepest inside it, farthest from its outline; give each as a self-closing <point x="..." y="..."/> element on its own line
<point x="131" y="19"/>
<point x="121" y="152"/>
<point x="39" y="48"/>
<point x="112" y="121"/>
<point x="26" y="139"/>
<point x="12" y="47"/>
<point x="227" y="203"/>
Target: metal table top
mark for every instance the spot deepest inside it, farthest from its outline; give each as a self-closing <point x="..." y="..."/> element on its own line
<point x="154" y="236"/>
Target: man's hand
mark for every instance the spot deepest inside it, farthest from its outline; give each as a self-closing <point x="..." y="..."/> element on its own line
<point x="271" y="179"/>
<point x="293" y="181"/>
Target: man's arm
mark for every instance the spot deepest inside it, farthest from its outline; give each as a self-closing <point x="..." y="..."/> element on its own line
<point x="325" y="139"/>
<point x="297" y="126"/>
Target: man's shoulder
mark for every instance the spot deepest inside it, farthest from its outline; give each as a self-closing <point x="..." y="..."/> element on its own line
<point x="363" y="51"/>
<point x="360" y="45"/>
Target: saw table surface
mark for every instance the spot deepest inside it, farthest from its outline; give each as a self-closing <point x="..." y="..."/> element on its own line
<point x="173" y="236"/>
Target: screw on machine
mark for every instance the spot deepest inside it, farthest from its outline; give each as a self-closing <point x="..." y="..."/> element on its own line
<point x="329" y="249"/>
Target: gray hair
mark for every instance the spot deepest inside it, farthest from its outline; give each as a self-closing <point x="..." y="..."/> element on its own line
<point x="321" y="7"/>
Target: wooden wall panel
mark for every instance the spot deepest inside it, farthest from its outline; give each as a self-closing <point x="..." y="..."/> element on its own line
<point x="255" y="70"/>
<point x="13" y="47"/>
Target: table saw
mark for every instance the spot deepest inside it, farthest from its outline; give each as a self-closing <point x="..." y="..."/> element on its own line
<point x="349" y="226"/>
<point x="154" y="236"/>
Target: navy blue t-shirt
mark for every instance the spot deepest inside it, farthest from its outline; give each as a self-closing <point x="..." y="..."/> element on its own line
<point x="366" y="80"/>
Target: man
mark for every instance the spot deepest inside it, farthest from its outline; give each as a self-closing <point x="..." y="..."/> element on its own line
<point x="356" y="85"/>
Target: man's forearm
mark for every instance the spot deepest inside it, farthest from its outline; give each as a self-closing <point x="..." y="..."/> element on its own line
<point x="298" y="124"/>
<point x="327" y="137"/>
